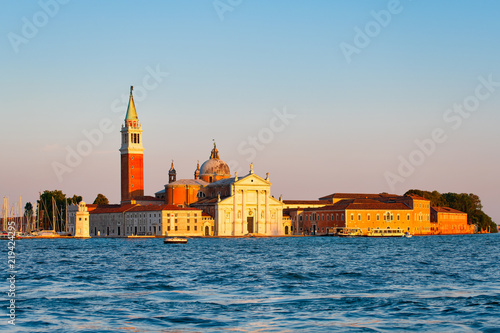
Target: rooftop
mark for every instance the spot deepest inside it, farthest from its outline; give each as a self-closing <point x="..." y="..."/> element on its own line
<point x="151" y="208"/>
<point x="446" y="210"/>
<point x="106" y="209"/>
<point x="306" y="202"/>
<point x="187" y="182"/>
<point x="363" y="204"/>
<point x="357" y="195"/>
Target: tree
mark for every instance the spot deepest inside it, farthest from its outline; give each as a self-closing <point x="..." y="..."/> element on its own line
<point x="76" y="199"/>
<point x="28" y="209"/>
<point x="101" y="200"/>
<point x="48" y="215"/>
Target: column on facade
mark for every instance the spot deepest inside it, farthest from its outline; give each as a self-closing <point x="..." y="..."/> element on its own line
<point x="235" y="210"/>
<point x="257" y="214"/>
<point x="243" y="211"/>
<point x="266" y="230"/>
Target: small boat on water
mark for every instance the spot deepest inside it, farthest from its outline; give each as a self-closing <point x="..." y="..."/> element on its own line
<point x="407" y="235"/>
<point x="386" y="233"/>
<point x="349" y="232"/>
<point x="175" y="240"/>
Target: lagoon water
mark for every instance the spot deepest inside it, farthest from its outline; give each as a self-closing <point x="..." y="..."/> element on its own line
<point x="312" y="284"/>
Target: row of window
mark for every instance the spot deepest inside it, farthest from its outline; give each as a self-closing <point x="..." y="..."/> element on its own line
<point x="188" y="228"/>
<point x="315" y="217"/>
<point x="154" y="215"/>
<point x="140" y="229"/>
<point x="386" y="217"/>
<point x="420" y="205"/>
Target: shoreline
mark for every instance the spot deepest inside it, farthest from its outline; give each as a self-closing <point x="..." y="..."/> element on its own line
<point x="223" y="237"/>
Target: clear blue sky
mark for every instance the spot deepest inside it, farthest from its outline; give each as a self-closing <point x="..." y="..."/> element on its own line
<point x="353" y="119"/>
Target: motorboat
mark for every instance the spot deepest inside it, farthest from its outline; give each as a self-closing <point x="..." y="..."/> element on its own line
<point x="175" y="240"/>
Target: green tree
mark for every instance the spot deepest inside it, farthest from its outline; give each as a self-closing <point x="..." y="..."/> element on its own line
<point x="51" y="218"/>
<point x="75" y="199"/>
<point x="28" y="209"/>
<point x="101" y="200"/>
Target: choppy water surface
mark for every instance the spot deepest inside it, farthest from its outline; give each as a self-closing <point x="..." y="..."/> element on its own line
<point x="440" y="283"/>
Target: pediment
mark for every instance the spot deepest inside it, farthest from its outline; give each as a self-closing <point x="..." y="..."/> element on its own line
<point x="252" y="180"/>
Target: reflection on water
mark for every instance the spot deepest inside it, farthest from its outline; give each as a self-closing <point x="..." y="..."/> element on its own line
<point x="447" y="283"/>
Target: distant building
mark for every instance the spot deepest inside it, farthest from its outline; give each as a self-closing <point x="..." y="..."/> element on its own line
<point x="449" y="221"/>
<point x="132" y="169"/>
<point x="109" y="220"/>
<point x="152" y="220"/>
<point x="365" y="212"/>
<point x="242" y="206"/>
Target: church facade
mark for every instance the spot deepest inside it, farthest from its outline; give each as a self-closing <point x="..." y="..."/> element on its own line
<point x="242" y="206"/>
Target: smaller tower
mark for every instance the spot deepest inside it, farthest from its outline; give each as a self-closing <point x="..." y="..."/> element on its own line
<point x="172" y="174"/>
<point x="197" y="171"/>
<point x="82" y="221"/>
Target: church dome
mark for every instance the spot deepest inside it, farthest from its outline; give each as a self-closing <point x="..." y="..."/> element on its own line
<point x="214" y="169"/>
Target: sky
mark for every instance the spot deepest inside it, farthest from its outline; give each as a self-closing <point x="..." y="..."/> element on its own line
<point x="326" y="96"/>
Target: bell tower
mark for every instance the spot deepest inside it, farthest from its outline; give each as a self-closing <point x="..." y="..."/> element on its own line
<point x="172" y="174"/>
<point x="131" y="154"/>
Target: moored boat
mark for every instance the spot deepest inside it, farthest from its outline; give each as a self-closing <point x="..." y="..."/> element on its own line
<point x="175" y="240"/>
<point x="349" y="232"/>
<point x="386" y="233"/>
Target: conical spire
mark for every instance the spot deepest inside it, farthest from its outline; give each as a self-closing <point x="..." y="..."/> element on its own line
<point x="131" y="112"/>
<point x="172" y="167"/>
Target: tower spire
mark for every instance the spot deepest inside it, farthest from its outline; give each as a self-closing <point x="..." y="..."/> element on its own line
<point x="131" y="118"/>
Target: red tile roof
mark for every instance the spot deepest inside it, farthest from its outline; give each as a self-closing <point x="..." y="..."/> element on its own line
<point x="106" y="209"/>
<point x="363" y="204"/>
<point x="357" y="195"/>
<point x="306" y="202"/>
<point x="150" y="208"/>
<point x="446" y="210"/>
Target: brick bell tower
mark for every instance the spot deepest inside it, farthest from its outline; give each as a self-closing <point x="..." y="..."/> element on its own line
<point x="131" y="153"/>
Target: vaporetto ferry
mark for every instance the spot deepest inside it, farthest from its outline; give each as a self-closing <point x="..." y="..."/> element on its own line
<point x="387" y="233"/>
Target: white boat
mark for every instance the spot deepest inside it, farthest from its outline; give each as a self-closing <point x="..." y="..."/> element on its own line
<point x="407" y="235"/>
<point x="386" y="233"/>
<point x="349" y="232"/>
<point x="175" y="240"/>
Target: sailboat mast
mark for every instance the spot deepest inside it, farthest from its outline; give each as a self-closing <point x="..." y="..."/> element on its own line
<point x="53" y="215"/>
<point x="66" y="216"/>
<point x="21" y="214"/>
<point x="3" y="215"/>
